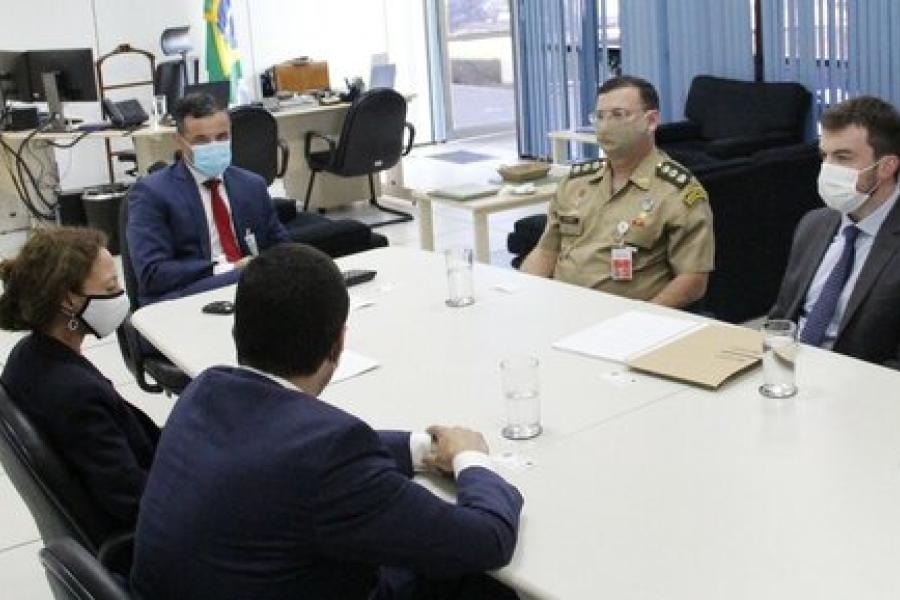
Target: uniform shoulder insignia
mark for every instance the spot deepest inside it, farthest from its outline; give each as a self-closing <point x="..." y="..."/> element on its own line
<point x="588" y="167"/>
<point x="673" y="173"/>
<point x="692" y="194"/>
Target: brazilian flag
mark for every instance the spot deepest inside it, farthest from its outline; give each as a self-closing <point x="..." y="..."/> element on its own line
<point x="223" y="62"/>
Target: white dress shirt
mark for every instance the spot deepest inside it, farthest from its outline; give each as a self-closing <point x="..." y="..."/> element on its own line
<point x="419" y="441"/>
<point x="215" y="244"/>
<point x="868" y="229"/>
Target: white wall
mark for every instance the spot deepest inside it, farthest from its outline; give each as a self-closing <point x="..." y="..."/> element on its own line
<point x="346" y="33"/>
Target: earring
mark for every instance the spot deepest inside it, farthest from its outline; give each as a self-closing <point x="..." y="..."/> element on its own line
<point x="73" y="324"/>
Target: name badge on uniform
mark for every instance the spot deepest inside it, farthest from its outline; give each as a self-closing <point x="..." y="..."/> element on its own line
<point x="250" y="240"/>
<point x="569" y="225"/>
<point x="622" y="263"/>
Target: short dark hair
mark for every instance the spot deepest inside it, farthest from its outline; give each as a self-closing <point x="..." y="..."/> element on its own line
<point x="196" y="105"/>
<point x="880" y="120"/>
<point x="290" y="307"/>
<point x="52" y="263"/>
<point x="649" y="97"/>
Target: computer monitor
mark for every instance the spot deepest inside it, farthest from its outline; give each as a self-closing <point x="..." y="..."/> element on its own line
<point x="75" y="75"/>
<point x="12" y="73"/>
<point x="219" y="90"/>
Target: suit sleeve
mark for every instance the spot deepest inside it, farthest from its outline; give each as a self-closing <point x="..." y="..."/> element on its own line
<point x="397" y="443"/>
<point x="788" y="289"/>
<point x="160" y="272"/>
<point x="368" y="511"/>
<point x="99" y="452"/>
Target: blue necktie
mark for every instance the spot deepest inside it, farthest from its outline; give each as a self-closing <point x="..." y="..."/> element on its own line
<point x="823" y="311"/>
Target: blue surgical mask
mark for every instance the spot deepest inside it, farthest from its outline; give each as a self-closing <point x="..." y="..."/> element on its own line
<point x="213" y="158"/>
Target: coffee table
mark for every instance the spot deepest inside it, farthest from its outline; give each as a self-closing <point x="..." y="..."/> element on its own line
<point x="481" y="208"/>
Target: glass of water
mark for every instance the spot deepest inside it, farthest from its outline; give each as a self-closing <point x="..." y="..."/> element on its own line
<point x="522" y="396"/>
<point x="460" y="290"/>
<point x="159" y="111"/>
<point x="779" y="358"/>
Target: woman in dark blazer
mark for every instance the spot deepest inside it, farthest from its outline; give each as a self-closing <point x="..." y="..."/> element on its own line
<point x="62" y="286"/>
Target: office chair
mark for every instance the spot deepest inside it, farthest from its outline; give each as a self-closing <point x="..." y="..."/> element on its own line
<point x="256" y="147"/>
<point x="56" y="499"/>
<point x="76" y="575"/>
<point x="371" y="141"/>
<point x="135" y="351"/>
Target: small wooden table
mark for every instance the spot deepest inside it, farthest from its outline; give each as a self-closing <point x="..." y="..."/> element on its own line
<point x="480" y="209"/>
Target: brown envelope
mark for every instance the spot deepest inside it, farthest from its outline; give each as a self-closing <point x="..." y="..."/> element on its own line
<point x="708" y="356"/>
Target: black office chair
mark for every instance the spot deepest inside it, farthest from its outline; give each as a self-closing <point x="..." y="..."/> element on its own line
<point x="74" y="574"/>
<point x="371" y="141"/>
<point x="255" y="146"/>
<point x="166" y="376"/>
<point x="57" y="500"/>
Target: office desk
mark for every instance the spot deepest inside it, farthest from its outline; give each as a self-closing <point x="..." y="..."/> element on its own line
<point x="640" y="487"/>
<point x="154" y="145"/>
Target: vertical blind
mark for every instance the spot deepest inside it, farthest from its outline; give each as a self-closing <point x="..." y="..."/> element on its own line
<point x="668" y="43"/>
<point x="874" y="49"/>
<point x="558" y="48"/>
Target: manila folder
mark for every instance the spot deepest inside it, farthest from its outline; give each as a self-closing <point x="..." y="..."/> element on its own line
<point x="707" y="357"/>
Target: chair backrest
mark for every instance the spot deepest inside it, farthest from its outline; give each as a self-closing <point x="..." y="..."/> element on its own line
<point x="730" y="107"/>
<point x="74" y="574"/>
<point x="131" y="281"/>
<point x="58" y="501"/>
<point x="372" y="136"/>
<point x="254" y="141"/>
<point x="169" y="81"/>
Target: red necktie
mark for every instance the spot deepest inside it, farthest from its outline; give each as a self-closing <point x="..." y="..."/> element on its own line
<point x="223" y="222"/>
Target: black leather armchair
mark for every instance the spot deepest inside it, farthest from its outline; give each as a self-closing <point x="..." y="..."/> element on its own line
<point x="74" y="574"/>
<point x="727" y="118"/>
<point x="58" y="502"/>
<point x="136" y="352"/>
<point x="256" y="146"/>
<point x="371" y="141"/>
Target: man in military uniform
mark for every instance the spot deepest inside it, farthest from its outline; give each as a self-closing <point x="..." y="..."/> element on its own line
<point x="635" y="223"/>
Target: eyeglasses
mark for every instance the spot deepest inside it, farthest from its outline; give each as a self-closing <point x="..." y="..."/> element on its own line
<point x="615" y="115"/>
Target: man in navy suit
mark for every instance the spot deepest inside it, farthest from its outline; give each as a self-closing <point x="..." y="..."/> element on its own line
<point x="261" y="490"/>
<point x="194" y="225"/>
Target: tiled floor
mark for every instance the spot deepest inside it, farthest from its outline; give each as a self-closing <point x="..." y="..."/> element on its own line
<point x="21" y="576"/>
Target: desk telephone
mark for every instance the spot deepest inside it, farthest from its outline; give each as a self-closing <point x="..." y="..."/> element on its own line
<point x="124" y="114"/>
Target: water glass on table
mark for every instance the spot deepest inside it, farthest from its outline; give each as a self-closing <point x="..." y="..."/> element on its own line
<point x="159" y="110"/>
<point x="779" y="358"/>
<point x="460" y="290"/>
<point x="522" y="397"/>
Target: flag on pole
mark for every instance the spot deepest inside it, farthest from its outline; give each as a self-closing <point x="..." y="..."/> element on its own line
<point x="223" y="62"/>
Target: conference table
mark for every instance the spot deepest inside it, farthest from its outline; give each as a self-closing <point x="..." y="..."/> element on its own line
<point x="639" y="487"/>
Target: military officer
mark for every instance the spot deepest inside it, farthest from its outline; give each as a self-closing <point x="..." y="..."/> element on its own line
<point x="635" y="223"/>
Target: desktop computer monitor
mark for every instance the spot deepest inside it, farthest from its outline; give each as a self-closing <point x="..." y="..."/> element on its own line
<point x="75" y="75"/>
<point x="219" y="90"/>
<point x="12" y="76"/>
<point x="382" y="76"/>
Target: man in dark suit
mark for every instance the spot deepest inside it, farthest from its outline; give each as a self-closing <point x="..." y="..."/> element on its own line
<point x="261" y="490"/>
<point x="194" y="225"/>
<point x="842" y="283"/>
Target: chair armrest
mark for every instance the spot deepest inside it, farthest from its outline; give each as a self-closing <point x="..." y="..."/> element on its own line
<point x="677" y="131"/>
<point x="307" y="146"/>
<point x="283" y="157"/>
<point x="116" y="552"/>
<point x="412" y="136"/>
<point x="747" y="145"/>
<point x="130" y="343"/>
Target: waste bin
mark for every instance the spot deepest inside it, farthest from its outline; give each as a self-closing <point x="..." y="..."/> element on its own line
<point x="101" y="206"/>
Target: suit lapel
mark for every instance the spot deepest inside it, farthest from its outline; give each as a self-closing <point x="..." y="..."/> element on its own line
<point x="819" y="241"/>
<point x="884" y="246"/>
<point x="190" y="197"/>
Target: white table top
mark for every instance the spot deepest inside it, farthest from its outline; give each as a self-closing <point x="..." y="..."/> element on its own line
<point x="640" y="487"/>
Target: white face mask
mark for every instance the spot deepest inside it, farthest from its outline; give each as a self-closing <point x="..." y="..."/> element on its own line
<point x="102" y="314"/>
<point x="837" y="187"/>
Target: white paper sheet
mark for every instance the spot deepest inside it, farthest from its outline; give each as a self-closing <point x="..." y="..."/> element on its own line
<point x="625" y="335"/>
<point x="351" y="365"/>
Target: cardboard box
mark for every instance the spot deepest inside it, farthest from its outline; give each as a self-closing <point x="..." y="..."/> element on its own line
<point x="302" y="77"/>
